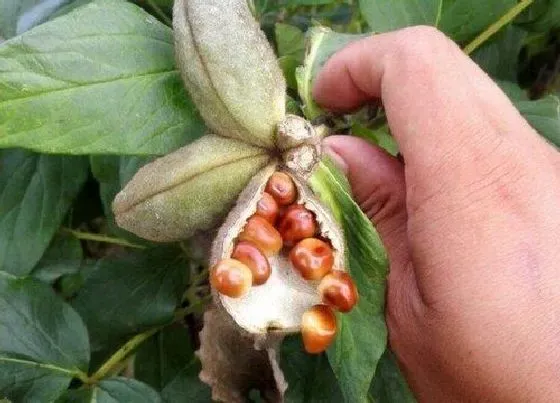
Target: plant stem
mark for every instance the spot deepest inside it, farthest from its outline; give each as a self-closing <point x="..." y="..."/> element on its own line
<point x="101" y="238"/>
<point x="116" y="360"/>
<point x="122" y="353"/>
<point x="159" y="12"/>
<point x="495" y="27"/>
<point x="73" y="373"/>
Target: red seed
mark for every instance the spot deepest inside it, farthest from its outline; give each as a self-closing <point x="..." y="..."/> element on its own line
<point x="318" y="328"/>
<point x="338" y="290"/>
<point x="312" y="258"/>
<point x="267" y="208"/>
<point x="282" y="188"/>
<point x="296" y="224"/>
<point x="262" y="234"/>
<point x="231" y="277"/>
<point x="254" y="259"/>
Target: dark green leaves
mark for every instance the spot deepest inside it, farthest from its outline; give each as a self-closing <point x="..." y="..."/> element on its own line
<point x="464" y="19"/>
<point x="310" y="377"/>
<point x="162" y="357"/>
<point x="101" y="79"/>
<point x="167" y="363"/>
<point x="382" y="15"/>
<point x="127" y="295"/>
<point x="362" y="335"/>
<point x="543" y="114"/>
<point x="43" y="342"/>
<point x="114" y="390"/>
<point x="389" y="385"/>
<point x="499" y="57"/>
<point x="35" y="194"/>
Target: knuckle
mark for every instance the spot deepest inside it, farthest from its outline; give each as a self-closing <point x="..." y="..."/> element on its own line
<point x="418" y="48"/>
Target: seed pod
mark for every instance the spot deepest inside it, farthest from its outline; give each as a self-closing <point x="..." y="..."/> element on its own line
<point x="279" y="303"/>
<point x="229" y="69"/>
<point x="267" y="208"/>
<point x="190" y="189"/>
<point x="248" y="254"/>
<point x="318" y="329"/>
<point x="337" y="289"/>
<point x="312" y="258"/>
<point x="296" y="224"/>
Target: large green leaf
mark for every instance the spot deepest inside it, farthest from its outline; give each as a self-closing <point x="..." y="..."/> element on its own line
<point x="18" y="16"/>
<point x="63" y="256"/>
<point x="113" y="173"/>
<point x="114" y="390"/>
<point x="362" y="334"/>
<point x="35" y="194"/>
<point x="384" y="15"/>
<point x="500" y="56"/>
<point x="161" y="358"/>
<point x="543" y="114"/>
<point x="464" y="19"/>
<point x="123" y="296"/>
<point x="43" y="341"/>
<point x="100" y="79"/>
<point x="543" y="15"/>
<point x="187" y="387"/>
<point x="389" y="385"/>
<point x="310" y="377"/>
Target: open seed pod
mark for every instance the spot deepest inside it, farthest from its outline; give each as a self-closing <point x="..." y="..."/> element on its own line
<point x="277" y="264"/>
<point x="279" y="303"/>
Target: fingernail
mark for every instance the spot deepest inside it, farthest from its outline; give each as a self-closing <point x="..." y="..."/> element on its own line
<point x="336" y="158"/>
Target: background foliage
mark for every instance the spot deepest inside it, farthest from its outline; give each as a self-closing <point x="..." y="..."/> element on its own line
<point x="89" y="92"/>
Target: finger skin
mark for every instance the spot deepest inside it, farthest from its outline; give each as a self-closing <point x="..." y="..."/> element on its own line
<point x="474" y="305"/>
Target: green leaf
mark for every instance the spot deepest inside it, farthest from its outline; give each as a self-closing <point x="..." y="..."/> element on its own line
<point x="36" y="192"/>
<point x="379" y="136"/>
<point x="383" y="15"/>
<point x="310" y="377"/>
<point x="18" y="16"/>
<point x="162" y="357"/>
<point x="362" y="334"/>
<point x="542" y="16"/>
<point x="114" y="390"/>
<point x="63" y="256"/>
<point x="123" y="296"/>
<point x="500" y="57"/>
<point x="389" y="385"/>
<point x="309" y="2"/>
<point x="43" y="341"/>
<point x="464" y="19"/>
<point x="113" y="173"/>
<point x="543" y="114"/>
<point x="323" y="43"/>
<point x="100" y="79"/>
<point x="290" y="41"/>
<point x="187" y="387"/>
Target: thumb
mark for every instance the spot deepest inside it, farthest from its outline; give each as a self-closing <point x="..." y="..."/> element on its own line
<point x="378" y="186"/>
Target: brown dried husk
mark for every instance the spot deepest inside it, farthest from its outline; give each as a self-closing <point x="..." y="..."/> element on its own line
<point x="234" y="361"/>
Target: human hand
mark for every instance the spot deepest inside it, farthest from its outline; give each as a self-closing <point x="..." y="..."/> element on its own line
<point x="471" y="221"/>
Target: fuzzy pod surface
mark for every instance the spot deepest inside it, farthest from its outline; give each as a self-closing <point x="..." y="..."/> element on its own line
<point x="229" y="69"/>
<point x="190" y="189"/>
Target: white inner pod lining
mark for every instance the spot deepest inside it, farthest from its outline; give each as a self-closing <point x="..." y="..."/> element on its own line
<point x="279" y="304"/>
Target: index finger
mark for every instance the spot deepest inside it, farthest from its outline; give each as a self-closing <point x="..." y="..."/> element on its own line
<point x="438" y="102"/>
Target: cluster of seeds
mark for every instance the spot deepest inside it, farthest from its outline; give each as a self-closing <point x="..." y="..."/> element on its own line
<point x="280" y="225"/>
